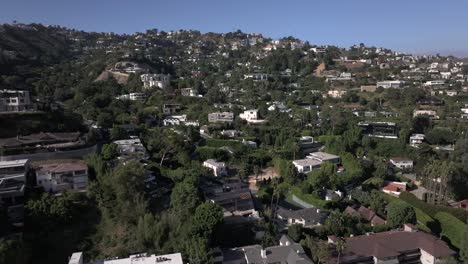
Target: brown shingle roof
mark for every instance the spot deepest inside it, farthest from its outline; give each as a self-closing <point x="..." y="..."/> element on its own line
<point x="392" y="243"/>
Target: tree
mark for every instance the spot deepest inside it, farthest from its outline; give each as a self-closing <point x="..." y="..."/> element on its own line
<point x="421" y="123"/>
<point x="295" y="232"/>
<point x="208" y="216"/>
<point x="110" y="151"/>
<point x="197" y="250"/>
<point x="399" y="213"/>
<point x="184" y="197"/>
<point x="377" y="202"/>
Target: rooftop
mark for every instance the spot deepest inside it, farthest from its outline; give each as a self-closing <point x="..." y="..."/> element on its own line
<point x="63" y="167"/>
<point x="13" y="163"/>
<point x="391" y="243"/>
<point x="307" y="162"/>
<point x="145" y="259"/>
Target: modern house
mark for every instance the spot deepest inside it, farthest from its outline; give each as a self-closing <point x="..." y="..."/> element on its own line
<point x="309" y="217"/>
<point x="379" y="129"/>
<point x="251" y="116"/>
<point x="398" y="246"/>
<point x="221" y="117"/>
<point x="59" y="176"/>
<point x="12" y="181"/>
<point x="366" y="214"/>
<point x="188" y="92"/>
<point x="14" y="101"/>
<point x="314" y="160"/>
<point x="132" y="96"/>
<point x="155" y="80"/>
<point x="144" y="258"/>
<point x="170" y="109"/>
<point x="402" y="163"/>
<point x="391" y="84"/>
<point x="131" y="149"/>
<point x="218" y="168"/>
<point x="416" y="139"/>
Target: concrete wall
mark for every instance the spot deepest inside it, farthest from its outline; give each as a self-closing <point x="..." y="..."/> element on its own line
<point x="71" y="154"/>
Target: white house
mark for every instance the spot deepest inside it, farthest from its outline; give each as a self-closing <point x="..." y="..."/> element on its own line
<point x="155" y="80"/>
<point x="391" y="84"/>
<point x="14" y="101"/>
<point x="218" y="168"/>
<point x="314" y="160"/>
<point x="416" y="139"/>
<point x="12" y="180"/>
<point x="251" y="116"/>
<point x="58" y="176"/>
<point x="144" y="258"/>
<point x="430" y="113"/>
<point x="402" y="163"/>
<point x="132" y="96"/>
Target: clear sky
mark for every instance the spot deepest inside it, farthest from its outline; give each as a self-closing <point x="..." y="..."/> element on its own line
<point x="417" y="26"/>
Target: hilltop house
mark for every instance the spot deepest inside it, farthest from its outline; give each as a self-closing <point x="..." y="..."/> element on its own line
<point x="155" y="80"/>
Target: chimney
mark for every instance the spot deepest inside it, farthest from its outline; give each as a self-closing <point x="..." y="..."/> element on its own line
<point x="263" y="253"/>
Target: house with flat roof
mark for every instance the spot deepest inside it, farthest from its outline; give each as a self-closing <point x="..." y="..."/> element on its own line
<point x="416" y="139"/>
<point x="161" y="81"/>
<point x="402" y="163"/>
<point x="221" y="117"/>
<point x="13" y="175"/>
<point x="379" y="129"/>
<point x="144" y="258"/>
<point x="314" y="160"/>
<point x="218" y="168"/>
<point x="15" y="101"/>
<point x="251" y="116"/>
<point x="131" y="149"/>
<point x="397" y="246"/>
<point x="59" y="176"/>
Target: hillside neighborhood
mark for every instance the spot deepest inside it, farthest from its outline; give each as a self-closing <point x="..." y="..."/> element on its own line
<point x="179" y="147"/>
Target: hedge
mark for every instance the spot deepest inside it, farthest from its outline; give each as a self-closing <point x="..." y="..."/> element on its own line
<point x="452" y="228"/>
<point x="432" y="210"/>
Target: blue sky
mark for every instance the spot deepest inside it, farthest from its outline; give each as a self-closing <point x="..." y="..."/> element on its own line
<point x="418" y="26"/>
